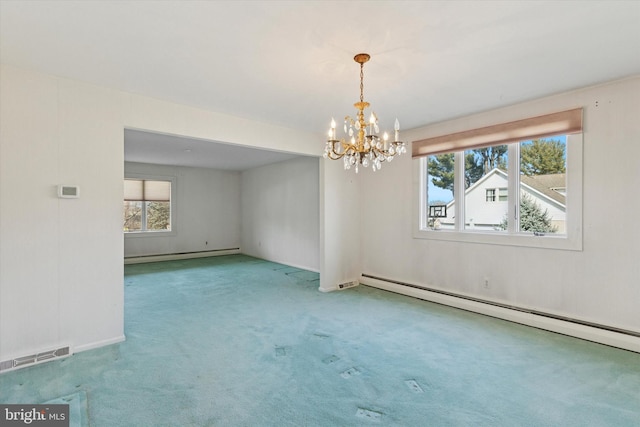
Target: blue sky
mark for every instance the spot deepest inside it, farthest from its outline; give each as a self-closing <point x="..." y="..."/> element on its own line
<point x="438" y="194"/>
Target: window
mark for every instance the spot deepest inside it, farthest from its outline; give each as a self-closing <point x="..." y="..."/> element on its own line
<point x="147" y="205"/>
<point x="525" y="190"/>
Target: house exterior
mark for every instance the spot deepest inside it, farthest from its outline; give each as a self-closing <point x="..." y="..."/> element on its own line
<point x="486" y="201"/>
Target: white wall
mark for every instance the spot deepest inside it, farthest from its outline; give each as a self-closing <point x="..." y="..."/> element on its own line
<point x="600" y="284"/>
<point x="61" y="261"/>
<point x="340" y="225"/>
<point x="280" y="212"/>
<point x="206" y="215"/>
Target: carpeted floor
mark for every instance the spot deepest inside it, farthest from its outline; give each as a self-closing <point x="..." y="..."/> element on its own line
<point x="238" y="341"/>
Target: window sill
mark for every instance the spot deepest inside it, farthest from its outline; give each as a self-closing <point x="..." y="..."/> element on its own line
<point x="137" y="234"/>
<point x="548" y="241"/>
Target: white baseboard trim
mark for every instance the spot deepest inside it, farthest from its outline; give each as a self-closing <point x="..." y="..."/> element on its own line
<point x="98" y="344"/>
<point x="178" y="256"/>
<point x="577" y="330"/>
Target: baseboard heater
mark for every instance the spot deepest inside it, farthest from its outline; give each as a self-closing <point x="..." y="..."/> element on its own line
<point x="32" y="359"/>
<point x="591" y="331"/>
<point x="138" y="259"/>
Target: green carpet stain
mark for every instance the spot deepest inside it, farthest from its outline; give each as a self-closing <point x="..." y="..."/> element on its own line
<point x="330" y="359"/>
<point x="414" y="386"/>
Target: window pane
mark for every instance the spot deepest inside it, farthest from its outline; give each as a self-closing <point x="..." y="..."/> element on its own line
<point x="485" y="171"/>
<point x="440" y="175"/>
<point x="147" y="205"/>
<point x="132" y="216"/>
<point x="158" y="215"/>
<point x="502" y="194"/>
<point x="543" y="185"/>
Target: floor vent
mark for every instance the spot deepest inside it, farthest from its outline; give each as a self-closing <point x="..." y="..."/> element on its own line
<point x="346" y="285"/>
<point x="32" y="359"/>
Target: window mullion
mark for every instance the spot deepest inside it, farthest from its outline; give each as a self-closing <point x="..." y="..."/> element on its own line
<point x="513" y="189"/>
<point x="143" y="217"/>
<point x="459" y="190"/>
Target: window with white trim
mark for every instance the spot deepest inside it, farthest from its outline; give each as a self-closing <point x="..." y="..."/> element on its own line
<point x="523" y="190"/>
<point x="147" y="205"/>
<point x="490" y="194"/>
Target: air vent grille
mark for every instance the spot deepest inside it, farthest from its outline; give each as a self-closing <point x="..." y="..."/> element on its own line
<point x="32" y="359"/>
<point x="346" y="285"/>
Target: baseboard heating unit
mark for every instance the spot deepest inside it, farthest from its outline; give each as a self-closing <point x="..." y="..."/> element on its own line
<point x="33" y="359"/>
<point x="590" y="331"/>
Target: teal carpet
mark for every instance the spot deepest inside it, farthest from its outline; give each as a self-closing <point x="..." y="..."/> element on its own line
<point x="238" y="341"/>
<point x="78" y="414"/>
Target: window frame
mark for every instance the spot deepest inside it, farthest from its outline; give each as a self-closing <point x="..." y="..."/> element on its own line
<point x="173" y="206"/>
<point x="572" y="240"/>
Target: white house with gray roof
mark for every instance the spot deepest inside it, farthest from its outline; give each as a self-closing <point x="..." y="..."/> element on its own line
<point x="486" y="201"/>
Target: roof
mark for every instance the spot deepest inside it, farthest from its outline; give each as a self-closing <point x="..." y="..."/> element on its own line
<point x="548" y="185"/>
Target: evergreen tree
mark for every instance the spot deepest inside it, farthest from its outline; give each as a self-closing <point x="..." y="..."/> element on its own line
<point x="491" y="157"/>
<point x="543" y="157"/>
<point x="473" y="169"/>
<point x="532" y="218"/>
<point x="441" y="170"/>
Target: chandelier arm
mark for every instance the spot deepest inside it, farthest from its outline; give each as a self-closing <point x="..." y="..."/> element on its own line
<point x="333" y="154"/>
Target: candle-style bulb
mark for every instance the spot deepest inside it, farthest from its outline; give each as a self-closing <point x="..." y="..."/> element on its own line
<point x="385" y="136"/>
<point x="333" y="123"/>
<point x="372" y="119"/>
<point x="396" y="126"/>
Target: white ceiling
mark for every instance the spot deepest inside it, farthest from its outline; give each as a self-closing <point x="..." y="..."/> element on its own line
<point x="291" y="62"/>
<point x="147" y="147"/>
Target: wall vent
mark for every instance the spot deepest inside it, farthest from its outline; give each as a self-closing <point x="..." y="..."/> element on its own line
<point x="32" y="359"/>
<point x="346" y="285"/>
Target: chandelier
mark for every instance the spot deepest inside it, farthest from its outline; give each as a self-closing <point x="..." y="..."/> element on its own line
<point x="364" y="146"/>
